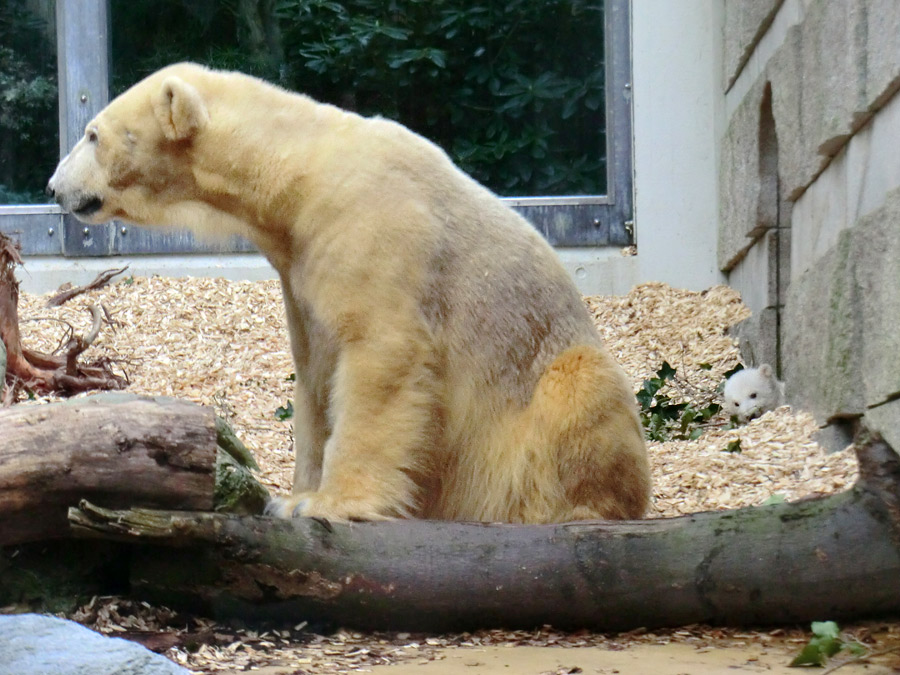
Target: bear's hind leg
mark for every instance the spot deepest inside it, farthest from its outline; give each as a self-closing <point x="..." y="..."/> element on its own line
<point x="584" y="408"/>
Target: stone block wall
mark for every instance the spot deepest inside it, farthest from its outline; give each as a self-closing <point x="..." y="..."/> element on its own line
<point x="809" y="229"/>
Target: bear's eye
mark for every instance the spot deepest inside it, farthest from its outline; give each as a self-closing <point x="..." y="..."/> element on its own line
<point x="753" y="395"/>
<point x="92" y="136"/>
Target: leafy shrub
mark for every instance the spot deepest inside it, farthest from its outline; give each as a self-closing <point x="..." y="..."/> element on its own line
<point x="28" y="95"/>
<point x="513" y="91"/>
<point x="824" y="644"/>
<point x="663" y="419"/>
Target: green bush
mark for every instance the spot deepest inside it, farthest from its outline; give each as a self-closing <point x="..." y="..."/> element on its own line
<point x="513" y="91"/>
<point x="29" y="124"/>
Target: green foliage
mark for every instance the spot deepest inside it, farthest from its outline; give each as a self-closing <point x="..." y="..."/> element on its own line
<point x="733" y="446"/>
<point x="824" y="644"/>
<point x="286" y="412"/>
<point x="513" y="91"/>
<point x="664" y="419"/>
<point x="28" y="95"/>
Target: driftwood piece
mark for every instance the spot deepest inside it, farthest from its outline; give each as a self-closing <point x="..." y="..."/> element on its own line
<point x="99" y="281"/>
<point x="836" y="557"/>
<point x="37" y="372"/>
<point x="115" y="449"/>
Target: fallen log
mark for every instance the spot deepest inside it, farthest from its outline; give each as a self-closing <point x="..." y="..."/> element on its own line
<point x="116" y="449"/>
<point x="836" y="557"/>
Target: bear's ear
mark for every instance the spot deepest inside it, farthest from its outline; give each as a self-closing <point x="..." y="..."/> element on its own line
<point x="766" y="371"/>
<point x="180" y="109"/>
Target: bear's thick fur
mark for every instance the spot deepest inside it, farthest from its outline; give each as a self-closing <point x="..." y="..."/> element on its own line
<point x="446" y="366"/>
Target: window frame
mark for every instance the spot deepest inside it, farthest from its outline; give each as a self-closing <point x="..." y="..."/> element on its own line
<point x="83" y="71"/>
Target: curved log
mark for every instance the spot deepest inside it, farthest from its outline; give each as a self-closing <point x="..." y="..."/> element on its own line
<point x="836" y="557"/>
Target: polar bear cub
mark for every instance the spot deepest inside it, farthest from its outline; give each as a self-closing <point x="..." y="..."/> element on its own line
<point x="446" y="366"/>
<point x="752" y="391"/>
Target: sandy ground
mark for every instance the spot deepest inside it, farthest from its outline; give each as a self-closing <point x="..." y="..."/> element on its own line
<point x="671" y="659"/>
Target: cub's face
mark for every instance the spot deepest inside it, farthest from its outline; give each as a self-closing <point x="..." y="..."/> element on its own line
<point x="134" y="158"/>
<point x="751" y="392"/>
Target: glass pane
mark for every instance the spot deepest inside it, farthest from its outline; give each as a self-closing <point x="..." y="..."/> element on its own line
<point x="513" y="90"/>
<point x="29" y="117"/>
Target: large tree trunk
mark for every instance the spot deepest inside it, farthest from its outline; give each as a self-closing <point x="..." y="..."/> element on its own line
<point x="831" y="558"/>
<point x="115" y="449"/>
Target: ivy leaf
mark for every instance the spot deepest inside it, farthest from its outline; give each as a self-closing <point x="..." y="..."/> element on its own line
<point x="665" y="371"/>
<point x="285" y="412"/>
<point x="825" y="643"/>
<point x="733" y="446"/>
<point x="738" y="368"/>
<point x="826" y="630"/>
<point x="810" y="655"/>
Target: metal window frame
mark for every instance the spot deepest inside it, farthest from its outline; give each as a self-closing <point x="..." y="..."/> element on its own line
<point x="595" y="220"/>
<point x="83" y="67"/>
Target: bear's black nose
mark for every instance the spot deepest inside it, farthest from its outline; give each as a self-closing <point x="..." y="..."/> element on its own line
<point x="50" y="191"/>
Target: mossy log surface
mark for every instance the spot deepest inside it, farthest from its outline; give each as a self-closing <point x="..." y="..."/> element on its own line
<point x="836" y="557"/>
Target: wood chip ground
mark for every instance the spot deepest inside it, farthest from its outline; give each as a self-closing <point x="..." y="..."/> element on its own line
<point x="224" y="344"/>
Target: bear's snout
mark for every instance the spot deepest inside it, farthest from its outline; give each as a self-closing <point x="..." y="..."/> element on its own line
<point x="71" y="195"/>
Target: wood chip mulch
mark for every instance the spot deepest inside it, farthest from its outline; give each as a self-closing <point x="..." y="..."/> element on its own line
<point x="224" y="344"/>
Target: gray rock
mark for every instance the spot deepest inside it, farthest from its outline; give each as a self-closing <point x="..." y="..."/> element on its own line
<point x="746" y="21"/>
<point x="885" y="419"/>
<point x="875" y="257"/>
<point x="31" y="644"/>
<point x="841" y="337"/>
<point x="833" y="71"/>
<point x="757" y="274"/>
<point x="758" y="337"/>
<point x="749" y="180"/>
<point x="882" y="51"/>
<point x="798" y="159"/>
<point x="822" y="358"/>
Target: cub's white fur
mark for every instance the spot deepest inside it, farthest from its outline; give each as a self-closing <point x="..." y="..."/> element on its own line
<point x="752" y="391"/>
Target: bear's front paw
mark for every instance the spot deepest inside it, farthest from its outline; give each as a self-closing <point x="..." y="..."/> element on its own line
<point x="321" y="505"/>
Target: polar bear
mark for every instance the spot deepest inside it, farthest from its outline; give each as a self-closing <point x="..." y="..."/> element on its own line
<point x="752" y="391"/>
<point x="446" y="366"/>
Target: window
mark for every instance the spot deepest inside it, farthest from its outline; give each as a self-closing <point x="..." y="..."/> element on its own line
<point x="531" y="98"/>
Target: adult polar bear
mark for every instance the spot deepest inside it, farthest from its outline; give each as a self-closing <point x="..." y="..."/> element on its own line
<point x="446" y="367"/>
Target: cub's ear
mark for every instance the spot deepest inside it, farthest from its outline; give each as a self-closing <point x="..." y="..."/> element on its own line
<point x="766" y="371"/>
<point x="180" y="109"/>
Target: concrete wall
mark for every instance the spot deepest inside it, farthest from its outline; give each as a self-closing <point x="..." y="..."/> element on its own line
<point x="678" y="117"/>
<point x="809" y="227"/>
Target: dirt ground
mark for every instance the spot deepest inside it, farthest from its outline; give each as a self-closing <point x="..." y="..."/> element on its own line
<point x="671" y="659"/>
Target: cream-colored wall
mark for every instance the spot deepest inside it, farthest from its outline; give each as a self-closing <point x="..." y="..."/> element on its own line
<point x="678" y="119"/>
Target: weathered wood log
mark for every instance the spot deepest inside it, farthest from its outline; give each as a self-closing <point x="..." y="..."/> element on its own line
<point x="115" y="449"/>
<point x="836" y="557"/>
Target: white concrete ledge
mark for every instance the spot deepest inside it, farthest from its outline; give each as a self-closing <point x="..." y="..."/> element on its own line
<point x="596" y="271"/>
